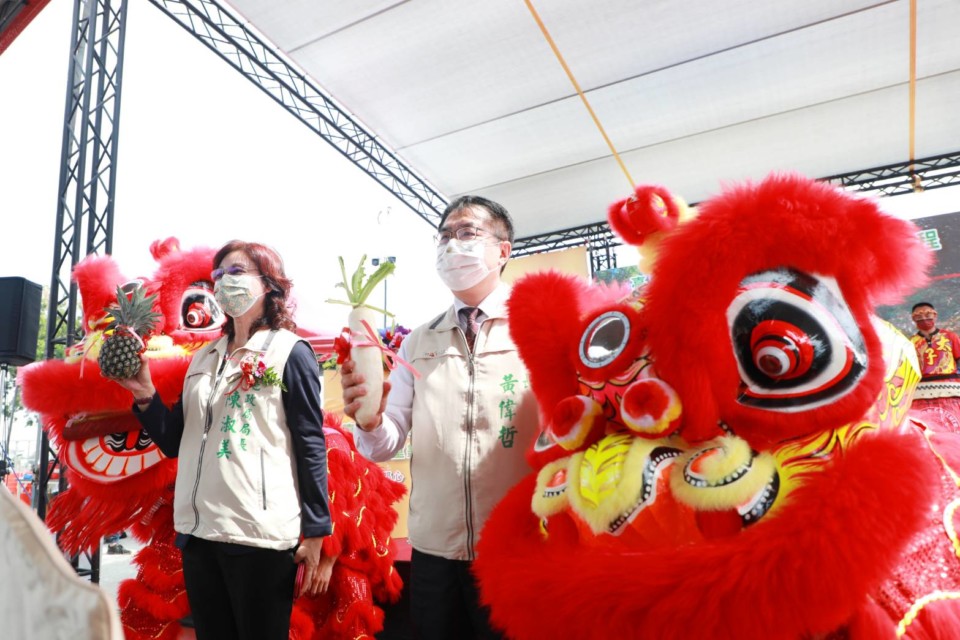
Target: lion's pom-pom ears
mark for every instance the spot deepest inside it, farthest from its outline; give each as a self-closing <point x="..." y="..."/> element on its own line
<point x="646" y="217"/>
<point x="159" y="249"/>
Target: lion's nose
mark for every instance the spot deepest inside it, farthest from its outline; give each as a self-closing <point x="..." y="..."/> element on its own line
<point x="577" y="421"/>
<point x="651" y="408"/>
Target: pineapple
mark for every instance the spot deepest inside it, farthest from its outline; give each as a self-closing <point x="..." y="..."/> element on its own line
<point x="133" y="317"/>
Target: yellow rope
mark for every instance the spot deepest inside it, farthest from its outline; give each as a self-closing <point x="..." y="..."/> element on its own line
<point x="576" y="85"/>
<point x="913" y="90"/>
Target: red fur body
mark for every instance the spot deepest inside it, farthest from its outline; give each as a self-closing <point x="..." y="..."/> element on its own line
<point x="805" y="574"/>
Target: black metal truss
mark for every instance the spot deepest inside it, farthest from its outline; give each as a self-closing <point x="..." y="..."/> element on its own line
<point x="596" y="236"/>
<point x="260" y="63"/>
<point x="602" y="258"/>
<point x="934" y="172"/>
<point x="87" y="184"/>
<point x="88" y="156"/>
<point x="889" y="180"/>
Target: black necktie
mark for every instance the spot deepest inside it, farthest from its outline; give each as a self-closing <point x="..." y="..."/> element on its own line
<point x="468" y="317"/>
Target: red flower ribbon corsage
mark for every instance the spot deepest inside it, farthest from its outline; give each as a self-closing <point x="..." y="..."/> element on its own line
<point x="254" y="370"/>
<point x="348" y="340"/>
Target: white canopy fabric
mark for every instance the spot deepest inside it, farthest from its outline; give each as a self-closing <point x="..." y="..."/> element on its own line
<point x="692" y="93"/>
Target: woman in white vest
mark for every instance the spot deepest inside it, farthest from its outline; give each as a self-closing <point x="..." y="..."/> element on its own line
<point x="250" y="502"/>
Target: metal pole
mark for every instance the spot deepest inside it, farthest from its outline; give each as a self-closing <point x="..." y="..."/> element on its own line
<point x="392" y="259"/>
<point x="5" y="444"/>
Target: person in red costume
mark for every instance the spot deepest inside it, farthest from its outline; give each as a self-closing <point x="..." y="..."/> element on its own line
<point x="938" y="351"/>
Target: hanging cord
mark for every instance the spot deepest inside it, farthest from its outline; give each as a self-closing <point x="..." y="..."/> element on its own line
<point x="913" y="93"/>
<point x="576" y="85"/>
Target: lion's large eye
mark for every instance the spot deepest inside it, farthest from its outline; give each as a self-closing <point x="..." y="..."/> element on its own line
<point x="796" y="342"/>
<point x="604" y="339"/>
<point x="199" y="310"/>
<point x="781" y="350"/>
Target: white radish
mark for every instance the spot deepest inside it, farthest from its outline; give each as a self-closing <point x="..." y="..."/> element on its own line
<point x="367" y="358"/>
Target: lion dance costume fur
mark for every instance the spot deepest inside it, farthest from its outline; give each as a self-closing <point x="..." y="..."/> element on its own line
<point x="728" y="454"/>
<point x="119" y="479"/>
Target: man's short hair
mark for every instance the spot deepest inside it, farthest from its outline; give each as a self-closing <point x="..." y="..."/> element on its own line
<point x="497" y="212"/>
<point x="922" y="304"/>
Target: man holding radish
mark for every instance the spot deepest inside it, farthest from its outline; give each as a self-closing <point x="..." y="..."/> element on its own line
<point x="470" y="415"/>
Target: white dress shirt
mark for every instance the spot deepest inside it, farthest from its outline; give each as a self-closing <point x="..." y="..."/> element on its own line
<point x="383" y="442"/>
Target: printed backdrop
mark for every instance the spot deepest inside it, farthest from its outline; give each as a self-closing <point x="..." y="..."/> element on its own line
<point x="942" y="234"/>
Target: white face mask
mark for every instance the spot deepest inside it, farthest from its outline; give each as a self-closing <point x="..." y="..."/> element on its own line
<point x="235" y="294"/>
<point x="462" y="265"/>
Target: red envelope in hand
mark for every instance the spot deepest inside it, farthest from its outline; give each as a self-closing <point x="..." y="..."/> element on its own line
<point x="298" y="583"/>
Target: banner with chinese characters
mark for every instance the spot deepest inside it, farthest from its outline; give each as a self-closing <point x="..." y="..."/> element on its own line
<point x="942" y="234"/>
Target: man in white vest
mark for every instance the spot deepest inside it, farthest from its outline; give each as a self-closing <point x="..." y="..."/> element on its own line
<point x="471" y="415"/>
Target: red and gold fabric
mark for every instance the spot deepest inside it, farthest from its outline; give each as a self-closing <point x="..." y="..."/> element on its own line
<point x="937" y="353"/>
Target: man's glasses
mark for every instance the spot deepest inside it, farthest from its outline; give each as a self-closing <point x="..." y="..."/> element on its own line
<point x="463" y="234"/>
<point x="924" y="316"/>
<point x="232" y="270"/>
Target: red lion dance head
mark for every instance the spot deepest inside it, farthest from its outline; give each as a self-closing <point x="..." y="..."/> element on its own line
<point x="727" y="453"/>
<point x="117" y="472"/>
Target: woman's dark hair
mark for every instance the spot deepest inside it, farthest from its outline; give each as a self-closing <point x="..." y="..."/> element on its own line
<point x="277" y="306"/>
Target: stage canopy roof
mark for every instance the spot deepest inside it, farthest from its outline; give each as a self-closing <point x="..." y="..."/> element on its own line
<point x="692" y="93"/>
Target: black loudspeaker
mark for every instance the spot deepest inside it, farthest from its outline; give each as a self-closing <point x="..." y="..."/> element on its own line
<point x="19" y="320"/>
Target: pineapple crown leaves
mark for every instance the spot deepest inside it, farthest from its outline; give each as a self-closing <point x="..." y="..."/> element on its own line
<point x="134" y="312"/>
<point x="357" y="290"/>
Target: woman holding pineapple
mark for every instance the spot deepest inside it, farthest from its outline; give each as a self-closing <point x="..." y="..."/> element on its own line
<point x="251" y="478"/>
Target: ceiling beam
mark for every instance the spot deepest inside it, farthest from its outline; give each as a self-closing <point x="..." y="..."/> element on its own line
<point x="262" y="64"/>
